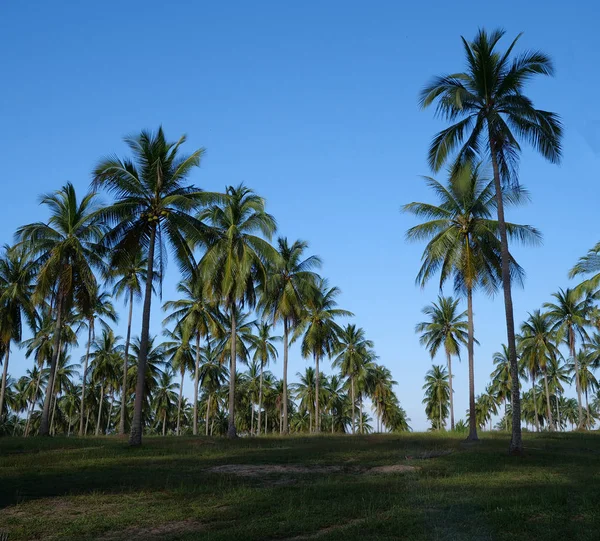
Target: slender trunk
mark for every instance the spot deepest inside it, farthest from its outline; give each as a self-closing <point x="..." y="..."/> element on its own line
<point x="135" y="436"/>
<point x="505" y="416"/>
<point x="251" y="418"/>
<point x="45" y="420"/>
<point x="69" y="429"/>
<point x="33" y="401"/>
<point x="548" y="408"/>
<point x="165" y="423"/>
<point x="317" y="416"/>
<point x="85" y="367"/>
<point x="285" y="370"/>
<point x="125" y="362"/>
<point x="4" y="378"/>
<point x="516" y="442"/>
<point x="54" y="398"/>
<point x="260" y="397"/>
<point x="100" y="409"/>
<point x="577" y="381"/>
<point x="332" y="420"/>
<point x="112" y="401"/>
<point x="179" y="403"/>
<point x="212" y="426"/>
<point x="449" y="359"/>
<point x="29" y="412"/>
<point x="440" y="410"/>
<point x="196" y="382"/>
<point x="361" y="413"/>
<point x="557" y="411"/>
<point x="537" y="421"/>
<point x="309" y="420"/>
<point x="587" y="409"/>
<point x="207" y="414"/>
<point x="87" y="421"/>
<point x="470" y="346"/>
<point x="266" y="423"/>
<point x="231" y="432"/>
<point x="353" y="403"/>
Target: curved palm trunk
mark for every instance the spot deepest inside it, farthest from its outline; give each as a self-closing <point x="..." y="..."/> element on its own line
<point x="207" y="414"/>
<point x="516" y="442"/>
<point x="285" y="370"/>
<point x="317" y="416"/>
<point x="260" y="397"/>
<point x="548" y="408"/>
<point x="196" y="381"/>
<point x="449" y="360"/>
<point x="135" y="437"/>
<point x="535" y="410"/>
<point x="85" y="368"/>
<point x="45" y="420"/>
<point x="33" y="401"/>
<point x="577" y="381"/>
<point x="231" y="432"/>
<point x="4" y="378"/>
<point x="470" y="346"/>
<point x="125" y="362"/>
<point x="179" y="403"/>
<point x="353" y="404"/>
<point x="100" y="410"/>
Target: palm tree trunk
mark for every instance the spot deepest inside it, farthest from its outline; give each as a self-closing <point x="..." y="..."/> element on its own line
<point x="470" y="347"/>
<point x="285" y="370"/>
<point x="196" y="382"/>
<point x="577" y="381"/>
<point x="317" y="417"/>
<point x="85" y="367"/>
<point x="231" y="432"/>
<point x="135" y="437"/>
<point x="100" y="409"/>
<point x="179" y="403"/>
<point x="207" y="414"/>
<point x="505" y="415"/>
<point x="440" y="410"/>
<point x="87" y="421"/>
<point x="266" y="422"/>
<point x="587" y="409"/>
<point x="548" y="408"/>
<point x="33" y="401"/>
<point x="353" y="403"/>
<point x="54" y="397"/>
<point x="45" y="420"/>
<point x="260" y="397"/>
<point x="449" y="359"/>
<point x="537" y="421"/>
<point x="516" y="442"/>
<point x="125" y="362"/>
<point x="361" y="413"/>
<point x="110" y="410"/>
<point x="4" y="378"/>
<point x="165" y="423"/>
<point x="557" y="411"/>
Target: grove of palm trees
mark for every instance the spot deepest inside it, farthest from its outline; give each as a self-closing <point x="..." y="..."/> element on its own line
<point x="151" y="329"/>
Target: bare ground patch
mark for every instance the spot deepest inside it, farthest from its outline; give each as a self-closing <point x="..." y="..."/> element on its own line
<point x="155" y="532"/>
<point x="392" y="468"/>
<point x="259" y="470"/>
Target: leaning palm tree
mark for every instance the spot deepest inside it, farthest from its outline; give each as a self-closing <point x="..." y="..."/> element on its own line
<point x="488" y="101"/>
<point x="569" y="315"/>
<point x="67" y="249"/>
<point x="437" y="396"/>
<point x="463" y="244"/>
<point x="291" y="281"/>
<point x="17" y="272"/>
<point x="446" y="326"/>
<point x="236" y="261"/>
<point x="320" y="332"/>
<point x="154" y="204"/>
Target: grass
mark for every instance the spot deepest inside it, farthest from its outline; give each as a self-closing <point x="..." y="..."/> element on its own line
<point x="173" y="488"/>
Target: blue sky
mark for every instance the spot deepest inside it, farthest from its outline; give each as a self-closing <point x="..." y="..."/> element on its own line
<point x="313" y="105"/>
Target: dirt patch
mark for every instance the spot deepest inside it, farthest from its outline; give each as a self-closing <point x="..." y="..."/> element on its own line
<point x="426" y="455"/>
<point x="256" y="470"/>
<point x="328" y="530"/>
<point x="392" y="468"/>
<point x="155" y="532"/>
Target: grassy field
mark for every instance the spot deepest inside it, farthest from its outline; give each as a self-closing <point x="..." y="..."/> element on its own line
<point x="414" y="486"/>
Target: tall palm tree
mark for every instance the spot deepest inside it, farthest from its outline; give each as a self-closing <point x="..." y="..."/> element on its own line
<point x="463" y="244"/>
<point x="353" y="351"/>
<point x="68" y="249"/>
<point x="154" y="204"/>
<point x="236" y="261"/>
<point x="538" y="348"/>
<point x="381" y="391"/>
<point x="446" y="326"/>
<point x="195" y="312"/>
<point x="320" y="332"/>
<point x="569" y="317"/>
<point x="164" y="398"/>
<point x="213" y="375"/>
<point x="502" y="380"/>
<point x="558" y="374"/>
<point x="489" y="103"/>
<point x="587" y="379"/>
<point x="129" y="277"/>
<point x="291" y="281"/>
<point x="263" y="344"/>
<point x="17" y="273"/>
<point x="437" y="395"/>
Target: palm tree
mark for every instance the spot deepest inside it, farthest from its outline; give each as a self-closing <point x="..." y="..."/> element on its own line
<point x="464" y="245"/>
<point x="164" y="398"/>
<point x="154" y="204"/>
<point x="353" y="351"/>
<point x="569" y="317"/>
<point x="320" y="333"/>
<point x="236" y="261"/>
<point x="557" y="375"/>
<point x="194" y="311"/>
<point x="213" y="375"/>
<point x="381" y="391"/>
<point x="437" y="395"/>
<point x="67" y="249"/>
<point x="16" y="287"/>
<point x="305" y="391"/>
<point x="182" y="356"/>
<point x="502" y="379"/>
<point x="129" y="276"/>
<point x="588" y="264"/>
<point x="587" y="379"/>
<point x="263" y="344"/>
<point x="291" y="281"/>
<point x="155" y="362"/>
<point x="488" y="99"/>
<point x="447" y="327"/>
<point x="101" y="307"/>
<point x="538" y="347"/>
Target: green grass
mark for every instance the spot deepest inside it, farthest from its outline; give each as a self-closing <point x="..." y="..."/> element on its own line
<point x="99" y="488"/>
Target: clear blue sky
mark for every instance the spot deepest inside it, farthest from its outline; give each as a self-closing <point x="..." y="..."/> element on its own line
<point x="313" y="105"/>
